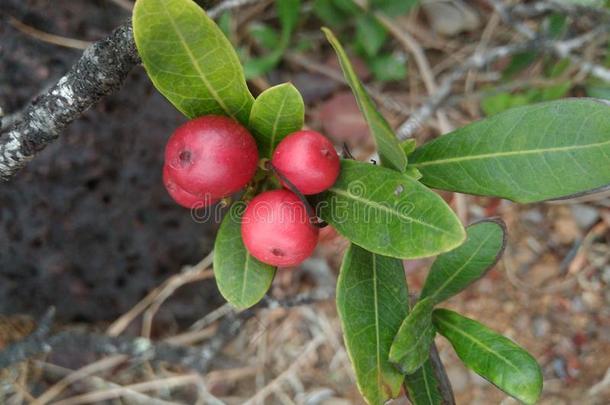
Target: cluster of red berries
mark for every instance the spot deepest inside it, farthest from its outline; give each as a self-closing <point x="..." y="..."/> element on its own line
<point x="212" y="157"/>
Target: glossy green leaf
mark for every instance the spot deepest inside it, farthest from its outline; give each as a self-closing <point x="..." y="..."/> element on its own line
<point x="372" y="300"/>
<point x="491" y="355"/>
<point x="408" y="146"/>
<point x="534" y="153"/>
<point x="189" y="59"/>
<point x="422" y="386"/>
<point x="411" y="346"/>
<point x="389" y="213"/>
<point x="453" y="271"/>
<point x="413" y="173"/>
<point x="388" y="146"/>
<point x="242" y="279"/>
<point x="277" y="112"/>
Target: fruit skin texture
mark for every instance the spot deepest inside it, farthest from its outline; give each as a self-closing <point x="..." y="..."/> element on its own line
<point x="276" y="229"/>
<point x="308" y="160"/>
<point x="211" y="155"/>
<point x="183" y="197"/>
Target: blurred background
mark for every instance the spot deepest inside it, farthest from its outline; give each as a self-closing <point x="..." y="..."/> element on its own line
<point x="88" y="228"/>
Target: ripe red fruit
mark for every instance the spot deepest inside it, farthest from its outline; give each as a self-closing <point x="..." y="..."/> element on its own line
<point x="276" y="229"/>
<point x="211" y="155"/>
<point x="308" y="160"/>
<point x="183" y="197"/>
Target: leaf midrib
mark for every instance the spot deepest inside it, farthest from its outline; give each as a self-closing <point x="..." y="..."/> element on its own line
<point x="276" y="121"/>
<point x="245" y="278"/>
<point x="478" y="343"/>
<point x="455" y="274"/>
<point x="194" y="61"/>
<point x="386" y="209"/>
<point x="509" y="153"/>
<point x="377" y="339"/>
<point x="428" y="392"/>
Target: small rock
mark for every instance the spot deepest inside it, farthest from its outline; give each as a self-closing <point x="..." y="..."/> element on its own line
<point x="541" y="326"/>
<point x="559" y="367"/>
<point x="533" y="216"/>
<point x="450" y="17"/>
<point x="584" y="215"/>
<point x="606" y="274"/>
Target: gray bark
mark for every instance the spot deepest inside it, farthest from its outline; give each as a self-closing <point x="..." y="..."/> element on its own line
<point x="100" y="71"/>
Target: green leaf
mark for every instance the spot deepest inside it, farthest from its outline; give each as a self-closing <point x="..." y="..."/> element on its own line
<point x="519" y="62"/>
<point x="390" y="151"/>
<point x="422" y="386"/>
<point x="453" y="271"/>
<point x="225" y="22"/>
<point x="242" y="279"/>
<point x="393" y="7"/>
<point x="370" y="34"/>
<point x="189" y="60"/>
<point x="347" y="6"/>
<point x="288" y="13"/>
<point x="534" y="153"/>
<point x="411" y="346"/>
<point x="491" y="355"/>
<point x="264" y="35"/>
<point x="329" y="13"/>
<point x="389" y="213"/>
<point x="388" y="67"/>
<point x="408" y="146"/>
<point x="372" y="301"/>
<point x="277" y="112"/>
<point x="413" y="173"/>
<point x="499" y="102"/>
<point x="598" y="90"/>
<point x="255" y="67"/>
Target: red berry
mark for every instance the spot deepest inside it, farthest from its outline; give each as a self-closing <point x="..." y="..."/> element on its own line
<point x="211" y="155"/>
<point x="276" y="229"/>
<point x="308" y="160"/>
<point x="183" y="197"/>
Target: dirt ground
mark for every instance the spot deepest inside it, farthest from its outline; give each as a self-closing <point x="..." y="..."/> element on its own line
<point x="88" y="228"/>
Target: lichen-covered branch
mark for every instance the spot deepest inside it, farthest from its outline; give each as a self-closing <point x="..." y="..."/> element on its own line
<point x="100" y="71"/>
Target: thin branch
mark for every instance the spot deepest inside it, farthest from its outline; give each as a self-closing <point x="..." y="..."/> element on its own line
<point x="47" y="37"/>
<point x="480" y="60"/>
<point x="198" y="358"/>
<point x="544" y="7"/>
<point x="476" y="61"/>
<point x="100" y="71"/>
<point x="441" y="375"/>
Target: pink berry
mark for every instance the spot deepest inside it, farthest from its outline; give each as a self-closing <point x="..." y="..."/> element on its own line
<point x="276" y="229"/>
<point x="308" y="160"/>
<point x="183" y="197"/>
<point x="211" y="155"/>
